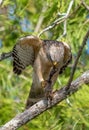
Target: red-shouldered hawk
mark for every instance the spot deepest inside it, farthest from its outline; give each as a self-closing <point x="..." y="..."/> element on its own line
<point x="42" y="55"/>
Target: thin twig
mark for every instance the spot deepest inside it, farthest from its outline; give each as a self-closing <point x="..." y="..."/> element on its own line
<point x="42" y="105"/>
<point x="59" y="20"/>
<point x="65" y="30"/>
<point x="85" y="5"/>
<point x="66" y="15"/>
<point x="76" y="60"/>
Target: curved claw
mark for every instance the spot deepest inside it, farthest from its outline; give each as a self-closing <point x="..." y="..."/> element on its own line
<point x="47" y="89"/>
<point x="44" y="83"/>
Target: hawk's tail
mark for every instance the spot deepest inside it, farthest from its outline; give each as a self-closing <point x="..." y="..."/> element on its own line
<point x="34" y="96"/>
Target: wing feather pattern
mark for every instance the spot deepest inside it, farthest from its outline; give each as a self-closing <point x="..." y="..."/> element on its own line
<point x="24" y="53"/>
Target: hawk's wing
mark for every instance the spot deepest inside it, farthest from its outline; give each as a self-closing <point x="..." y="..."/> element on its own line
<point x="24" y="53"/>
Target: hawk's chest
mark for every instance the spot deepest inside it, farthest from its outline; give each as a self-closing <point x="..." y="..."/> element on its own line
<point x="54" y="51"/>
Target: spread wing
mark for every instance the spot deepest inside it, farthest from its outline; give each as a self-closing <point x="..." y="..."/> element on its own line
<point x="24" y="53"/>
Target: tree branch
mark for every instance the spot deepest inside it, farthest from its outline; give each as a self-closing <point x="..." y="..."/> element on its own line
<point x="43" y="105"/>
<point x="76" y="60"/>
<point x="5" y="55"/>
<point x="85" y="5"/>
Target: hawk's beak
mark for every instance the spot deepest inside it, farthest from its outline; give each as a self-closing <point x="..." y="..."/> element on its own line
<point x="54" y="63"/>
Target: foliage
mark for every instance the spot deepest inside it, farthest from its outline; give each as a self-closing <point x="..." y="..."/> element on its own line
<point x="21" y="18"/>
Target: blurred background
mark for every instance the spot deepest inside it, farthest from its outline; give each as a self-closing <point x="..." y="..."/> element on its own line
<point x="19" y="18"/>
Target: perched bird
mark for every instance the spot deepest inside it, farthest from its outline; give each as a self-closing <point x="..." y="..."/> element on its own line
<point x="42" y="55"/>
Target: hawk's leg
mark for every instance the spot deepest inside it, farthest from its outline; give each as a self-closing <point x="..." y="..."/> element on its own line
<point x="48" y="87"/>
<point x="48" y="90"/>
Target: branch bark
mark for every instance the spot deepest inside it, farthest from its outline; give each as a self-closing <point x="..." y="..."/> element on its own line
<point x="5" y="55"/>
<point x="43" y="105"/>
